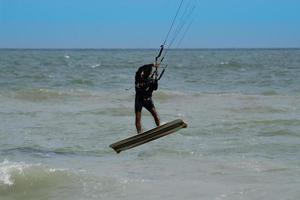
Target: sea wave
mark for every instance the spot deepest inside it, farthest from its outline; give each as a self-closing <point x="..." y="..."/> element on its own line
<point x="168" y="94"/>
<point x="19" y="180"/>
<point x="82" y="82"/>
<point x="230" y="64"/>
<point x="19" y="174"/>
<point x="64" y="151"/>
<point x="44" y="94"/>
<point x="114" y="111"/>
<point x="258" y="109"/>
<point x="40" y="94"/>
<point x="280" y="132"/>
<point x="270" y="93"/>
<point x="264" y="123"/>
<point x="22" y="181"/>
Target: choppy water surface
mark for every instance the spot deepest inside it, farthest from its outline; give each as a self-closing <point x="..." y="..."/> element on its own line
<point x="60" y="109"/>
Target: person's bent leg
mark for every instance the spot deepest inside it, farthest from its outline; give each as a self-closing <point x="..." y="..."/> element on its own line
<point x="155" y="116"/>
<point x="149" y="105"/>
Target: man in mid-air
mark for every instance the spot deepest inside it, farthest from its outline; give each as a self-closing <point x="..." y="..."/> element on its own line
<point x="145" y="84"/>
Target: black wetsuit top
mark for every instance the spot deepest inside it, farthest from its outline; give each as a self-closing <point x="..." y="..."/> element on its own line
<point x="144" y="88"/>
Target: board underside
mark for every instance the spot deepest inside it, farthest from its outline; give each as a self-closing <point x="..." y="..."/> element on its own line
<point x="149" y="135"/>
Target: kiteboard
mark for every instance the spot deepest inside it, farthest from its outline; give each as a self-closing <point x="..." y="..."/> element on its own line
<point x="149" y="135"/>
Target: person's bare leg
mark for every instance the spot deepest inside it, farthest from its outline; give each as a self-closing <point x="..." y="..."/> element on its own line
<point x="155" y="116"/>
<point x="138" y="125"/>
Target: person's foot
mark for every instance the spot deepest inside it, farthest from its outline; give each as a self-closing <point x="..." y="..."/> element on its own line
<point x="184" y="125"/>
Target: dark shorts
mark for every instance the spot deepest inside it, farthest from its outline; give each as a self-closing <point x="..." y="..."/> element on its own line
<point x="140" y="102"/>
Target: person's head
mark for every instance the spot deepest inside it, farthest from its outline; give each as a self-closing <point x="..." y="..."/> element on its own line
<point x="147" y="72"/>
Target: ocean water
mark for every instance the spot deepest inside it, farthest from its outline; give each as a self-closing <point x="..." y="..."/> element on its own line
<point x="60" y="110"/>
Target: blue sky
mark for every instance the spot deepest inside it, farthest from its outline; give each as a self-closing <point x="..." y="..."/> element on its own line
<point x="144" y="23"/>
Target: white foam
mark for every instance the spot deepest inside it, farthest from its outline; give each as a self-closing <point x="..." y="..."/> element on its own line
<point x="7" y="168"/>
<point x="95" y="66"/>
<point x="224" y="63"/>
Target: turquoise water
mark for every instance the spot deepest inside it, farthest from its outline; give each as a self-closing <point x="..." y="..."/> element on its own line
<point x="60" y="109"/>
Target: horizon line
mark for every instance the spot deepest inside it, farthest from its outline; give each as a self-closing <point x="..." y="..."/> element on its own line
<point x="141" y="48"/>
